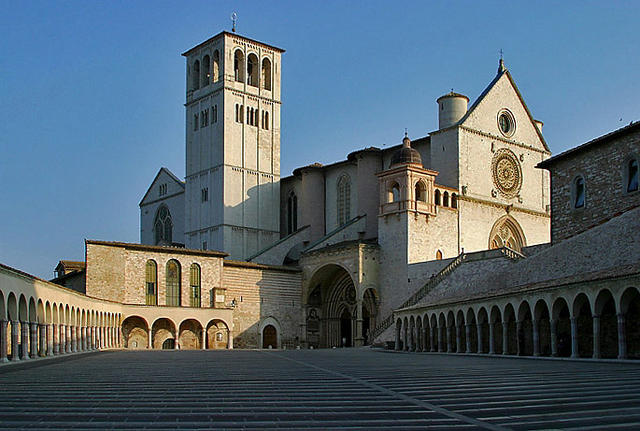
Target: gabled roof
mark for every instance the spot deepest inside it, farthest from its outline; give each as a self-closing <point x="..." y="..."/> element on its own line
<point x="168" y="172"/>
<point x="597" y="141"/>
<point x="502" y="70"/>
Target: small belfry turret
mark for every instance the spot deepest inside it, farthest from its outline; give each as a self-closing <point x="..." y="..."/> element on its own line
<point x="407" y="185"/>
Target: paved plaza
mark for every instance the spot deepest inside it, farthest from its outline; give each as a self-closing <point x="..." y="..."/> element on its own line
<point x="319" y="389"/>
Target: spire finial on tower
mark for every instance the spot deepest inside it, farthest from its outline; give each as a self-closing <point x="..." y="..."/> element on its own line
<point x="234" y="18"/>
<point x="406" y="142"/>
<point x="501" y="67"/>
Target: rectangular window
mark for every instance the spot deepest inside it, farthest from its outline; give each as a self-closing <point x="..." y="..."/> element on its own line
<point x="205" y="194"/>
<point x="195" y="122"/>
<point x="204" y="245"/>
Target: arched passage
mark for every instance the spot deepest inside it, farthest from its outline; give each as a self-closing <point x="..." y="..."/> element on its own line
<point x="333" y="306"/>
<point x="543" y="326"/>
<point x="163" y="334"/>
<point x="217" y="335"/>
<point x="561" y="328"/>
<point x="605" y="309"/>
<point x="582" y="323"/>
<point x="495" y="331"/>
<point x="135" y="333"/>
<point x="483" y="330"/>
<point x="525" y="330"/>
<point x="630" y="309"/>
<point x="190" y="335"/>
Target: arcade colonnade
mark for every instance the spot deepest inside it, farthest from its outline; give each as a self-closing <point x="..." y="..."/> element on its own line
<point x="38" y="319"/>
<point x="594" y="320"/>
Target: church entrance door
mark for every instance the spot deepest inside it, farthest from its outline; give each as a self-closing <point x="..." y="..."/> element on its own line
<point x="269" y="337"/>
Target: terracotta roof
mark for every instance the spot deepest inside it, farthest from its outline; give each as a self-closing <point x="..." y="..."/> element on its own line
<point x="597" y="141"/>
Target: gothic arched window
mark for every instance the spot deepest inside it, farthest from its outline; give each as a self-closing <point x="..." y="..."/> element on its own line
<point x="445" y="199"/>
<point x="194" y="281"/>
<point x="252" y="70"/>
<point x="421" y="192"/>
<point x="438" y="255"/>
<point x="206" y="70"/>
<point x="437" y="197"/>
<point x="506" y="232"/>
<point x="238" y="66"/>
<point x="344" y="200"/>
<point x="151" y="283"/>
<point x="578" y="192"/>
<point x="632" y="175"/>
<point x="216" y="65"/>
<point x="292" y="213"/>
<point x="173" y="283"/>
<point x="454" y="200"/>
<point x="196" y="75"/>
<point x="266" y="74"/>
<point x="163" y="226"/>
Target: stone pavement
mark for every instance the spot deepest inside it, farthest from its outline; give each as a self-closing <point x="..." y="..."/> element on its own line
<point x="319" y="389"/>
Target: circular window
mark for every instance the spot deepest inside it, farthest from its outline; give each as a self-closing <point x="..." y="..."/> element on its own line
<point x="507" y="173"/>
<point x="506" y="123"/>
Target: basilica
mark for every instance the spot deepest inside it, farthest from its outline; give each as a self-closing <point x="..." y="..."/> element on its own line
<point x="470" y="238"/>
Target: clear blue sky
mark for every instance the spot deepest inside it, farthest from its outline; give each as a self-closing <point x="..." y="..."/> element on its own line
<point x="92" y="92"/>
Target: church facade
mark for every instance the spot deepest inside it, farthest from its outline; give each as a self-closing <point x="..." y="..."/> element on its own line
<point x="439" y="243"/>
<point x="367" y="231"/>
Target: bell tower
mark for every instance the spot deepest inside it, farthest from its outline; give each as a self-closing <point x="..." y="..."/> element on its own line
<point x="232" y="145"/>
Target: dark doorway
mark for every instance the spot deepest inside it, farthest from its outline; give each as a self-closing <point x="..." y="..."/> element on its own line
<point x="269" y="337"/>
<point x="169" y="343"/>
<point x="345" y="329"/>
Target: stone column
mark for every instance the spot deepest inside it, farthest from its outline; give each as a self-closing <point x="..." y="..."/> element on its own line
<point x="119" y="331"/>
<point x="574" y="338"/>
<point x="68" y="339"/>
<point x="3" y="341"/>
<point x="359" y="336"/>
<point x="43" y="339"/>
<point x="432" y="334"/>
<point x="74" y="340"/>
<point x="230" y="341"/>
<point x="450" y="339"/>
<point x="440" y="339"/>
<point x="519" y="338"/>
<point x="24" y="342"/>
<point x="85" y="339"/>
<point x="56" y="339"/>
<point x="34" y="340"/>
<point x="468" y="337"/>
<point x="596" y="337"/>
<point x="397" y="345"/>
<point x="536" y="337"/>
<point x="49" y="329"/>
<point x="622" y="338"/>
<point x="459" y="338"/>
<point x="63" y="338"/>
<point x="176" y="345"/>
<point x="149" y="345"/>
<point x="14" y="341"/>
<point x="202" y="340"/>
<point x="554" y="337"/>
<point x="505" y="338"/>
<point x="492" y="341"/>
<point x="480" y="341"/>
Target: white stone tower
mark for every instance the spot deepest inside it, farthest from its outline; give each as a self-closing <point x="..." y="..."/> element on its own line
<point x="232" y="145"/>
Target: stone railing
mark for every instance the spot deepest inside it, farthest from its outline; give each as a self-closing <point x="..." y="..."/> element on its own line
<point x="511" y="254"/>
<point x="419" y="294"/>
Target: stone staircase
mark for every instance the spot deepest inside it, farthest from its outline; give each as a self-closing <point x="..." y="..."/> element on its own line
<point x="419" y="294"/>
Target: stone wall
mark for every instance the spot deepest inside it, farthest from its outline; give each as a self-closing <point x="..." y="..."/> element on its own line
<point x="263" y="294"/>
<point x="603" y="168"/>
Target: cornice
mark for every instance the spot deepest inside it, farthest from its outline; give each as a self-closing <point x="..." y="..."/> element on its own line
<point x="504" y="140"/>
<point x="500" y="205"/>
